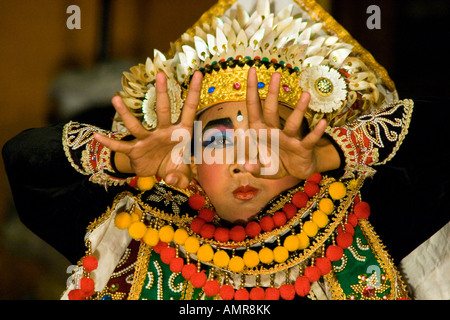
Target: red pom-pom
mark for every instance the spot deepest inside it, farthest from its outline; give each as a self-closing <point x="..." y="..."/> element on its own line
<point x="197" y="224"/>
<point x="206" y="214"/>
<point x="357" y="199"/>
<point x="344" y="240"/>
<point x="267" y="223"/>
<point x="167" y="254"/>
<point x="352" y="219"/>
<point x="226" y="292"/>
<point x="176" y="265"/>
<point x="324" y="264"/>
<point x="237" y="233"/>
<point x="222" y="234"/>
<point x="312" y="273"/>
<point x="311" y="188"/>
<point x="302" y="286"/>
<point x="257" y="293"/>
<point x="161" y="245"/>
<point x="198" y="279"/>
<point x="287" y="292"/>
<point x="290" y="210"/>
<point x="207" y="231"/>
<point x="300" y="199"/>
<point x="196" y="201"/>
<point x="316" y="178"/>
<point x="348" y="228"/>
<point x="241" y="294"/>
<point x="75" y="294"/>
<point x="279" y="218"/>
<point x="133" y="182"/>
<point x="211" y="288"/>
<point x="272" y="293"/>
<point x="90" y="263"/>
<point x="362" y="210"/>
<point x="188" y="270"/>
<point x="252" y="229"/>
<point x="334" y="253"/>
<point x="87" y="285"/>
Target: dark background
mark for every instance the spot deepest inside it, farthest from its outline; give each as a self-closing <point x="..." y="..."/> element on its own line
<point x="45" y="65"/>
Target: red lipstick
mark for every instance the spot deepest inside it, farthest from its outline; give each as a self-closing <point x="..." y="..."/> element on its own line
<point x="245" y="192"/>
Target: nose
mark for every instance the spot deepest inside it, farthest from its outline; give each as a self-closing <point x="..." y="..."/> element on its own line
<point x="248" y="166"/>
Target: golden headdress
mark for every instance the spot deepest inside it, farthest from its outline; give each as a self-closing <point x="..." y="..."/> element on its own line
<point x="297" y="38"/>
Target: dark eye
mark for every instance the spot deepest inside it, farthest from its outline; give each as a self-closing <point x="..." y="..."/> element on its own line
<point x="220" y="139"/>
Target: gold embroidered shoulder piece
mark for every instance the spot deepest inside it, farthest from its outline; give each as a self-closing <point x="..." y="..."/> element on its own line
<point x="373" y="139"/>
<point x="89" y="157"/>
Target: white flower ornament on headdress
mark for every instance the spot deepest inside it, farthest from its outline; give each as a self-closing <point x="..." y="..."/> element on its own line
<point x="326" y="86"/>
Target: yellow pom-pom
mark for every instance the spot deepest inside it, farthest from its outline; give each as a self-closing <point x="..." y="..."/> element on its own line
<point x="221" y="258"/>
<point x="166" y="234"/>
<point x="137" y="230"/>
<point x="337" y="190"/>
<point x="191" y="244"/>
<point x="280" y="254"/>
<point x="310" y="228"/>
<point x="205" y="253"/>
<point x="180" y="236"/>
<point x="151" y="237"/>
<point x="291" y="243"/>
<point x="266" y="255"/>
<point x="303" y="240"/>
<point x="326" y="205"/>
<point x="320" y="218"/>
<point x="122" y="220"/>
<point x="236" y="264"/>
<point x="145" y="183"/>
<point x="251" y="258"/>
<point x="135" y="217"/>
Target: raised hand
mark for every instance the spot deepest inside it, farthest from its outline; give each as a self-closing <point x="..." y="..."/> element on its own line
<point x="150" y="152"/>
<point x="299" y="156"/>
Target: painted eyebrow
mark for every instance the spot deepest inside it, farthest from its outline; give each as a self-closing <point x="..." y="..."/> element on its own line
<point x="226" y="122"/>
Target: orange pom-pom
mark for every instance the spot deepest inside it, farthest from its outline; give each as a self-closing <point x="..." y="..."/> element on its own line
<point x="324" y="264"/>
<point x="311" y="188"/>
<point x="226" y="292"/>
<point x="207" y="231"/>
<point x="76" y="294"/>
<point x="312" y="273"/>
<point x="334" y="253"/>
<point x="222" y="234"/>
<point x="90" y="263"/>
<point x="352" y="219"/>
<point x="241" y="294"/>
<point x="161" y="245"/>
<point x="287" y="291"/>
<point x="252" y="229"/>
<point x="279" y="218"/>
<point x="206" y="214"/>
<point x="300" y="199"/>
<point x="196" y="201"/>
<point x="267" y="223"/>
<point x="188" y="270"/>
<point x="211" y="288"/>
<point x="197" y="224"/>
<point x="167" y="254"/>
<point x="344" y="240"/>
<point x="176" y="265"/>
<point x="257" y="293"/>
<point x="87" y="285"/>
<point x="302" y="286"/>
<point x="290" y="210"/>
<point x="272" y="293"/>
<point x="362" y="210"/>
<point x="198" y="279"/>
<point x="316" y="178"/>
<point x="237" y="233"/>
<point x="348" y="228"/>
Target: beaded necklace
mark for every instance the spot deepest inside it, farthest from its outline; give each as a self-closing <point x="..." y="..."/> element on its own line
<point x="278" y="255"/>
